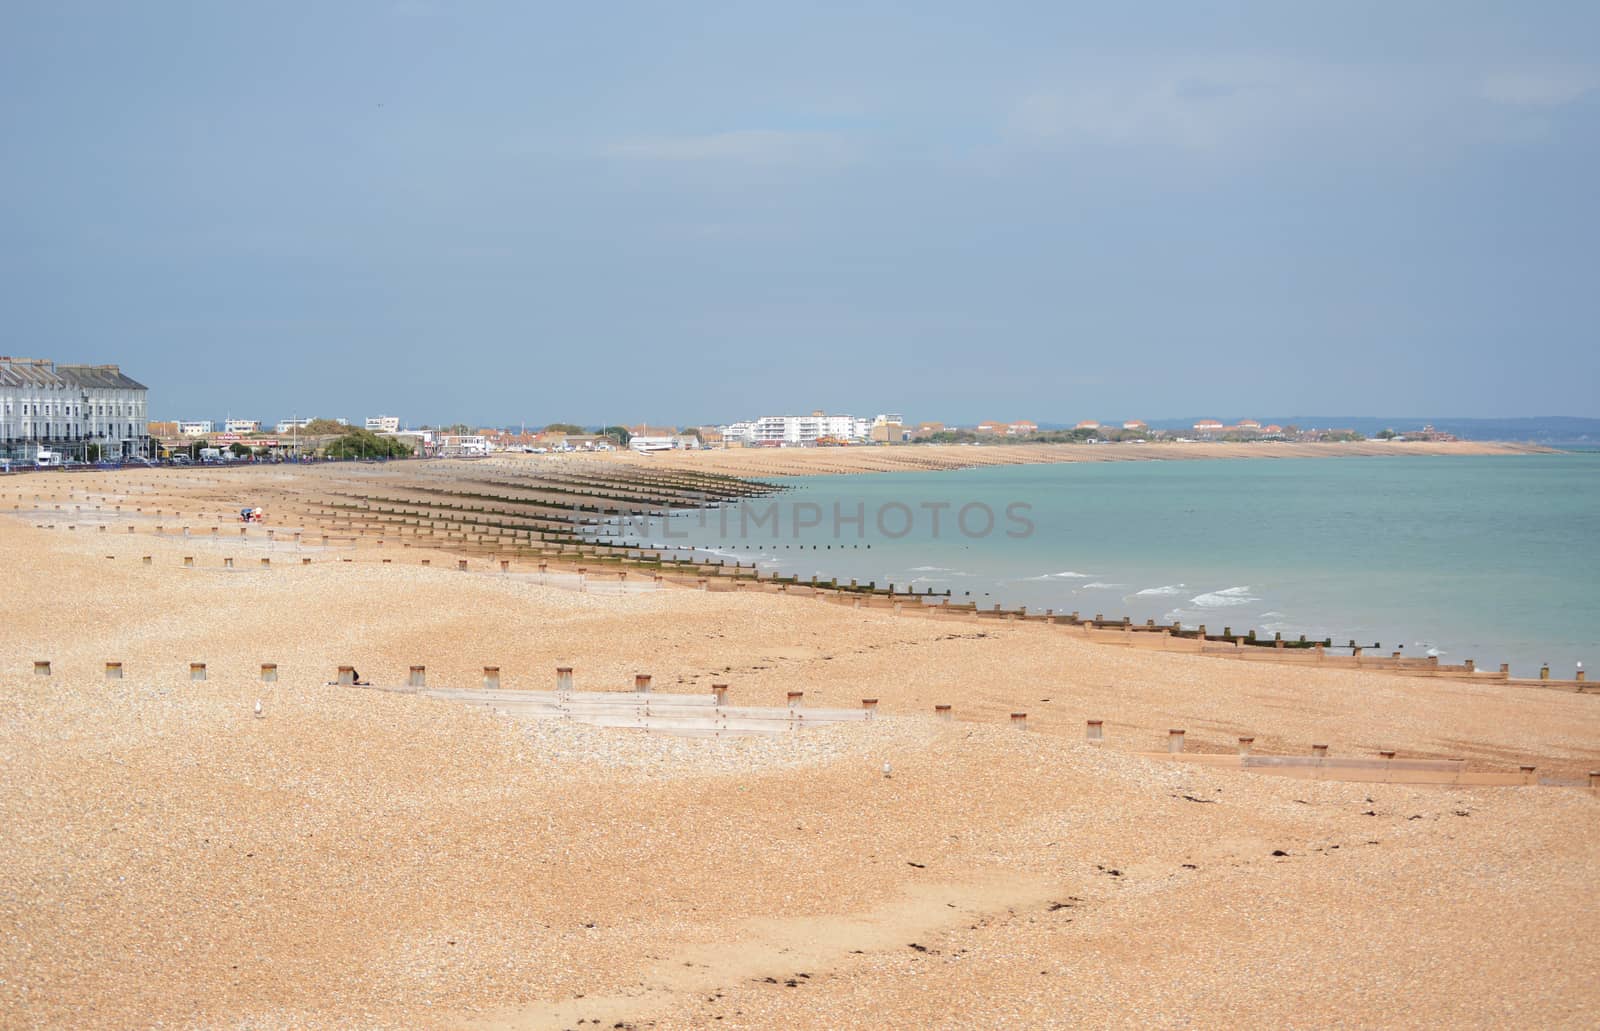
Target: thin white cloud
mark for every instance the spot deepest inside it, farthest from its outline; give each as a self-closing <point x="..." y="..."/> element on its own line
<point x="1246" y="106"/>
<point x="1540" y="87"/>
<point x="1192" y="105"/>
<point x="769" y="147"/>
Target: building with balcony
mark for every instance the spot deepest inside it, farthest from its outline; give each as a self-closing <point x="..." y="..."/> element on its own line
<point x="70" y="408"/>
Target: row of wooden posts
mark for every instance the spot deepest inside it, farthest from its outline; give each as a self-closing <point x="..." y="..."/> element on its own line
<point x="418" y="678"/>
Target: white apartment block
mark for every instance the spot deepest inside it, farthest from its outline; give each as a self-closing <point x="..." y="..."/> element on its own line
<point x="194" y="428"/>
<point x="241" y="426"/>
<point x="798" y="430"/>
<point x="43" y="403"/>
<point x="384" y="423"/>
<point x="290" y="425"/>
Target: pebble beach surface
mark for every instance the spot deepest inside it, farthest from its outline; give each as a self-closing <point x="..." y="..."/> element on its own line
<point x="366" y="859"/>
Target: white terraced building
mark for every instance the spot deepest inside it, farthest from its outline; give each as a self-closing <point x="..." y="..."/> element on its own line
<point x="68" y="408"/>
<point x="798" y="430"/>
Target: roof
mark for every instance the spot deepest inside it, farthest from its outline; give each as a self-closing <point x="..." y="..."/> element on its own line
<point x="38" y="372"/>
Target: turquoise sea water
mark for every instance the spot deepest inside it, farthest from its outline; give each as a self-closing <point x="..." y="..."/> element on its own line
<point x="1495" y="558"/>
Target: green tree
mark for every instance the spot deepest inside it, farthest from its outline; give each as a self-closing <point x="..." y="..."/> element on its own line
<point x="564" y="427"/>
<point x="361" y="443"/>
<point x="322" y="427"/>
<point x="619" y="434"/>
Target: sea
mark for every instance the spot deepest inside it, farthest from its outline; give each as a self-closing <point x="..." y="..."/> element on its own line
<point x="1493" y="558"/>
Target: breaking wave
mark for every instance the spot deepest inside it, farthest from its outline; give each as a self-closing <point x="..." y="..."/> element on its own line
<point x="1224" y="599"/>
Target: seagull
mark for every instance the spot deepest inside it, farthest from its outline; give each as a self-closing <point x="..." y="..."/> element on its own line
<point x="259" y="713"/>
<point x="887" y="769"/>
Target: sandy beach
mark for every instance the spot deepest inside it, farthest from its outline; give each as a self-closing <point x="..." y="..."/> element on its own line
<point x="760" y="462"/>
<point x="364" y="858"/>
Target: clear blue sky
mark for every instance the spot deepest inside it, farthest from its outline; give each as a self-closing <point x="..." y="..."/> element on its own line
<point x="685" y="212"/>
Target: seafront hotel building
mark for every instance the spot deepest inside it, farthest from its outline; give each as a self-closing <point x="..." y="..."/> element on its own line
<point x="67" y="408"/>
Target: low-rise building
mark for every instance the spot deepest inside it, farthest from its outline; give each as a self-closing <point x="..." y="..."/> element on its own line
<point x="1087" y="424"/>
<point x="383" y="423"/>
<point x="1022" y="428"/>
<point x="241" y="426"/>
<point x="195" y="427"/>
<point x="465" y="445"/>
<point x="290" y="425"/>
<point x="1135" y="426"/>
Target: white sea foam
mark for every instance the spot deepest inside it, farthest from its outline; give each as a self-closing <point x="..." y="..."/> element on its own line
<point x="1224" y="599"/>
<point x="1161" y="591"/>
<point x="1097" y="584"/>
<point x="930" y="569"/>
<point x="1070" y="575"/>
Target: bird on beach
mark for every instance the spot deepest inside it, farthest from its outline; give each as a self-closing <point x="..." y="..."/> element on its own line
<point x="887" y="769"/>
<point x="259" y="713"/>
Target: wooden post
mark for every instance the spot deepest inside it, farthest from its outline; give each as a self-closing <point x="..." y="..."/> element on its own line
<point x="564" y="679"/>
<point x="641" y="683"/>
<point x="719" y="693"/>
<point x="269" y="672"/>
<point x="870" y="706"/>
<point x="1096" y="731"/>
<point x="41" y="667"/>
<point x="419" y="677"/>
<point x="1245" y="744"/>
<point x="1319" y="751"/>
<point x="113" y="671"/>
<point x="1528" y="776"/>
<point x="944" y="712"/>
<point x="347" y="676"/>
<point x="197" y="671"/>
<point x="1174" y="741"/>
<point x="1019" y="720"/>
<point x="491" y="678"/>
<point x="797" y="699"/>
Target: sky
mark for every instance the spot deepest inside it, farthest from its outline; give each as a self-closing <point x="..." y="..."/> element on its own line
<point x="684" y="213"/>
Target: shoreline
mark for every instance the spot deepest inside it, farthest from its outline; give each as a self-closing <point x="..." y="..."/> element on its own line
<point x="707" y="565"/>
<point x="801" y="461"/>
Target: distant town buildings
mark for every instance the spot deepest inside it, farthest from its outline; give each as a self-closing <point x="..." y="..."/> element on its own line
<point x="384" y="423"/>
<point x="46" y="406"/>
<point x="194" y="427"/>
<point x="241" y="426"/>
<point x="290" y="425"/>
